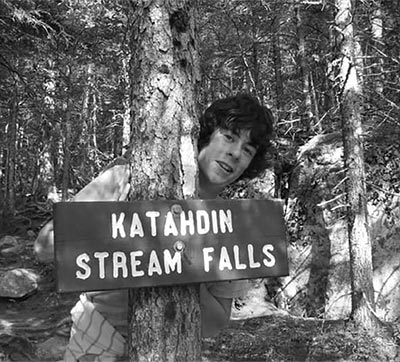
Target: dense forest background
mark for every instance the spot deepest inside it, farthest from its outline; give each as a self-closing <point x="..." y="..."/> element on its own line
<point x="65" y="112"/>
<point x="65" y="86"/>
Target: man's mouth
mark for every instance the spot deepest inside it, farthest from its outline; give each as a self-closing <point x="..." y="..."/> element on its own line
<point x="227" y="168"/>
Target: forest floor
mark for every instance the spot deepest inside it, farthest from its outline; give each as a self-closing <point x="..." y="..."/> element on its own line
<point x="37" y="328"/>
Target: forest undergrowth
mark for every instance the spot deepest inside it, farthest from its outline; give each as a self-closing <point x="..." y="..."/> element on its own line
<point x="36" y="328"/>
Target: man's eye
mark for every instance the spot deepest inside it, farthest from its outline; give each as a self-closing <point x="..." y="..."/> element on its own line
<point x="249" y="151"/>
<point x="228" y="137"/>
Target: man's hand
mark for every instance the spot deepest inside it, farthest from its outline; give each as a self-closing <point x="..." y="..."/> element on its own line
<point x="110" y="185"/>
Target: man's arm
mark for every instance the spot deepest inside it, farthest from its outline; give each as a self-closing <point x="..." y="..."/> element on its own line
<point x="216" y="303"/>
<point x="110" y="185"/>
<point x="215" y="312"/>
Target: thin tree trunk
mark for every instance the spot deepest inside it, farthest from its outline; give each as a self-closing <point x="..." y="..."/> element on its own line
<point x="377" y="37"/>
<point x="376" y="74"/>
<point x="85" y="118"/>
<point x="126" y="121"/>
<point x="317" y="123"/>
<point x="12" y="153"/>
<point x="307" y="115"/>
<point x="67" y="154"/>
<point x="46" y="161"/>
<point x="164" y="323"/>
<point x="93" y="121"/>
<point x="359" y="239"/>
<point x="276" y="48"/>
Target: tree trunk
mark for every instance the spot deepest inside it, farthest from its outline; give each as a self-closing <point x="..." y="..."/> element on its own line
<point x="12" y="154"/>
<point x="93" y="121"/>
<point x="85" y="119"/>
<point x="375" y="64"/>
<point x="317" y="122"/>
<point x="164" y="323"/>
<point x="359" y="239"/>
<point x="377" y="37"/>
<point x="126" y="121"/>
<point x="67" y="154"/>
<point x="307" y="115"/>
<point x="276" y="48"/>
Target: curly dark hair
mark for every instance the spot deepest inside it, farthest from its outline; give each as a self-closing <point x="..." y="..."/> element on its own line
<point x="236" y="113"/>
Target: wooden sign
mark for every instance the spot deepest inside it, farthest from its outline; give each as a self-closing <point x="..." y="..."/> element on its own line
<point x="115" y="245"/>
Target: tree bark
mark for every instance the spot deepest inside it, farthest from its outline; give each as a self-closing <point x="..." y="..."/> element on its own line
<point x="67" y="152"/>
<point x="276" y="48"/>
<point x="164" y="323"/>
<point x="377" y="37"/>
<point x="85" y="118"/>
<point x="306" y="114"/>
<point x="12" y="154"/>
<point x="126" y="119"/>
<point x="359" y="239"/>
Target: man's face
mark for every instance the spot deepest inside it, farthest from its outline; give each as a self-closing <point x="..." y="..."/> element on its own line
<point x="225" y="158"/>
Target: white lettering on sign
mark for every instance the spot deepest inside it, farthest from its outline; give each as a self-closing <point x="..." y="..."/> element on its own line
<point x="118" y="225"/>
<point x="214" y="220"/>
<point x="236" y="254"/>
<point x="241" y="260"/>
<point x="207" y="258"/>
<point x="252" y="263"/>
<point x="267" y="251"/>
<point x="135" y="264"/>
<point x="124" y="265"/>
<point x="82" y="261"/>
<point x="170" y="227"/>
<point x="189" y="223"/>
<point x="224" y="260"/>
<point x="203" y="222"/>
<point x="154" y="264"/>
<point x="225" y="221"/>
<point x="101" y="257"/>
<point x="153" y="215"/>
<point x="119" y="262"/>
<point x="172" y="263"/>
<point x="136" y="226"/>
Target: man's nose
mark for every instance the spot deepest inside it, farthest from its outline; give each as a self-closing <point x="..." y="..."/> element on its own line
<point x="235" y="150"/>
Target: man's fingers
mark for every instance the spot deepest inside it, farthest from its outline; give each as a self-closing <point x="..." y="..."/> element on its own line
<point x="123" y="183"/>
<point x="125" y="192"/>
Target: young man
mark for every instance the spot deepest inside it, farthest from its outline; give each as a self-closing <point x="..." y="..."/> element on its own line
<point x="234" y="139"/>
